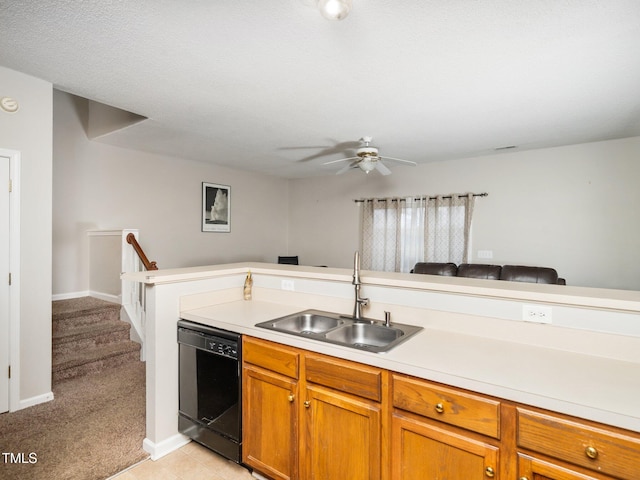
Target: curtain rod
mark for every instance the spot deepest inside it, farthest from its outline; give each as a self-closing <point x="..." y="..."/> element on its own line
<point x="484" y="194"/>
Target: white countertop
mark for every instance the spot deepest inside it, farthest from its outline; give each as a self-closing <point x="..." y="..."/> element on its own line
<point x="588" y="386"/>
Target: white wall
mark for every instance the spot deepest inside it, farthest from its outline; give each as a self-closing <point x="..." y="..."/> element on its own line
<point x="101" y="187"/>
<point x="573" y="208"/>
<point x="29" y="131"/>
<point x="105" y="265"/>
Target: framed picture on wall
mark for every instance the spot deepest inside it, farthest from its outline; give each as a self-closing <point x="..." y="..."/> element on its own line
<point x="216" y="207"/>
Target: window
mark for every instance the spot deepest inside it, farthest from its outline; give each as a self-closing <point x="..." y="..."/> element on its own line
<point x="399" y="232"/>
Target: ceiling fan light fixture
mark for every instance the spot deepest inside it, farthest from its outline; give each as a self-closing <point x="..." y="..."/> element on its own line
<point x="366" y="159"/>
<point x="367" y="165"/>
<point x="334" y="9"/>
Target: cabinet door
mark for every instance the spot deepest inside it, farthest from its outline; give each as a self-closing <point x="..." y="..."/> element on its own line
<point x="343" y="437"/>
<point x="601" y="449"/>
<point x="530" y="468"/>
<point x="270" y="439"/>
<point x="422" y="451"/>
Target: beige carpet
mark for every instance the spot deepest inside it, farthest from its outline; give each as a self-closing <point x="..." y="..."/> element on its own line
<point x="93" y="428"/>
<point x="88" y="337"/>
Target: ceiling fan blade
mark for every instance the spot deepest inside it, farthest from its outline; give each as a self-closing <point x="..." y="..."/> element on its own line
<point x="340" y="160"/>
<point x="382" y="168"/>
<point x="347" y="145"/>
<point x="333" y="145"/>
<point x="323" y="153"/>
<point x="409" y="162"/>
<point x="326" y="150"/>
<point x="305" y="148"/>
<point x="347" y="168"/>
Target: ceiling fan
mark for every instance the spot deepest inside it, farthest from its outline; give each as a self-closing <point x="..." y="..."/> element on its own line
<point x="337" y="147"/>
<point x="367" y="159"/>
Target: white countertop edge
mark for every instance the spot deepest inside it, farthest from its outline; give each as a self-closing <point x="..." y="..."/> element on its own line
<point x="622" y="300"/>
<point x="389" y="362"/>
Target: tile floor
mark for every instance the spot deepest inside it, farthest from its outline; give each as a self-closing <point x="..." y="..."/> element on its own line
<point x="191" y="462"/>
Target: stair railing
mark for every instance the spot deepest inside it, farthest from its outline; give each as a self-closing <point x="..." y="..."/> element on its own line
<point x="133" y="293"/>
<point x="131" y="239"/>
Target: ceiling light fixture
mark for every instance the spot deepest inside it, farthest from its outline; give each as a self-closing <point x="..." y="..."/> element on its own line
<point x="368" y="164"/>
<point x="334" y="9"/>
<point x="8" y="104"/>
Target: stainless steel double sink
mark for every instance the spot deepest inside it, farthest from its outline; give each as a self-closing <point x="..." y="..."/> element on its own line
<point x="364" y="334"/>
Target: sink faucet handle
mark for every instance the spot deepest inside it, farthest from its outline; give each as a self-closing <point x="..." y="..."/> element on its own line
<point x="387" y="319"/>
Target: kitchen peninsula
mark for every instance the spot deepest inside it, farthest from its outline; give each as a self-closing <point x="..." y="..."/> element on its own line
<point x="585" y="362"/>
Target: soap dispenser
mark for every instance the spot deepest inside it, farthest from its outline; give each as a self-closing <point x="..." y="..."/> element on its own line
<point x="248" y="283"/>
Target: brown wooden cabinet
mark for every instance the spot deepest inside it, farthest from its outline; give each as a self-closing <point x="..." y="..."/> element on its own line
<point x="531" y="468"/>
<point x="342" y="436"/>
<point x="269" y="411"/>
<point x="575" y="447"/>
<point x="314" y="417"/>
<point x="342" y="420"/>
<point x="310" y="413"/>
<point x="452" y="406"/>
<point x="439" y="432"/>
<point x="424" y="451"/>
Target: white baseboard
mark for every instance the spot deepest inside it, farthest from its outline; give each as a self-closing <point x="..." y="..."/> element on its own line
<point x="30" y="402"/>
<point x="67" y="296"/>
<point x="159" y="450"/>
<point x="107" y="297"/>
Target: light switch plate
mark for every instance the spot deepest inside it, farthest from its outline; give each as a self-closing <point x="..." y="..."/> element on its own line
<point x="288" y="285"/>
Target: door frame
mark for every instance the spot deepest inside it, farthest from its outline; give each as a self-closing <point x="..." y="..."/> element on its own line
<point x="14" y="267"/>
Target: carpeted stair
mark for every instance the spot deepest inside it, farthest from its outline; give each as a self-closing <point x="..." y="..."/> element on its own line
<point x="88" y="336"/>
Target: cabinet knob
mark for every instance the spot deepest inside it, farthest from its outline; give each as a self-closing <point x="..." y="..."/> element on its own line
<point x="291" y="397"/>
<point x="307" y="404"/>
<point x="439" y="408"/>
<point x="523" y="478"/>
<point x="489" y="472"/>
<point x="591" y="452"/>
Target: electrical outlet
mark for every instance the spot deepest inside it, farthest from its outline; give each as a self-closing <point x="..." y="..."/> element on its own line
<point x="536" y="313"/>
<point x="288" y="285"/>
<point x="485" y="253"/>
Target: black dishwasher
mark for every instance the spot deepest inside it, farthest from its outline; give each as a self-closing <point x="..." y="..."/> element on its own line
<point x="210" y="410"/>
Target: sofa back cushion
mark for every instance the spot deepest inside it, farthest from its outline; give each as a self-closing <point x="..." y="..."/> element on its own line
<point x="433" y="268"/>
<point x="520" y="273"/>
<point x="480" y="270"/>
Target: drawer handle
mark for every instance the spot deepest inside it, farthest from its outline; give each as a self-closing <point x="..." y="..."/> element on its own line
<point x="291" y="397"/>
<point x="307" y="404"/>
<point x="591" y="452"/>
<point x="439" y="408"/>
<point x="489" y="472"/>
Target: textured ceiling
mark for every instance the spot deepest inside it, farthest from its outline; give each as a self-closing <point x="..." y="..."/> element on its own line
<point x="239" y="83"/>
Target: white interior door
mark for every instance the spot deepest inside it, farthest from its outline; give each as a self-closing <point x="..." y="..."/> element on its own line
<point x="4" y="283"/>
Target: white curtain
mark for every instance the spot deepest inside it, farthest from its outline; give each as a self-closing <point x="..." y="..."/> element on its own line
<point x="399" y="232"/>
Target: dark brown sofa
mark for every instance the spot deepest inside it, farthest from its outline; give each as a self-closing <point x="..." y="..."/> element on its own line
<point x="512" y="273"/>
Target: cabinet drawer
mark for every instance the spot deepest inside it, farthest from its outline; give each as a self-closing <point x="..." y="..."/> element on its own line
<point x="534" y="468"/>
<point x="274" y="357"/>
<point x="611" y="452"/>
<point x="348" y="377"/>
<point x="455" y="407"/>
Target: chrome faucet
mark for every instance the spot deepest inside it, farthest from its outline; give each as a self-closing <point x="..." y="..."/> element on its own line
<point x="360" y="302"/>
